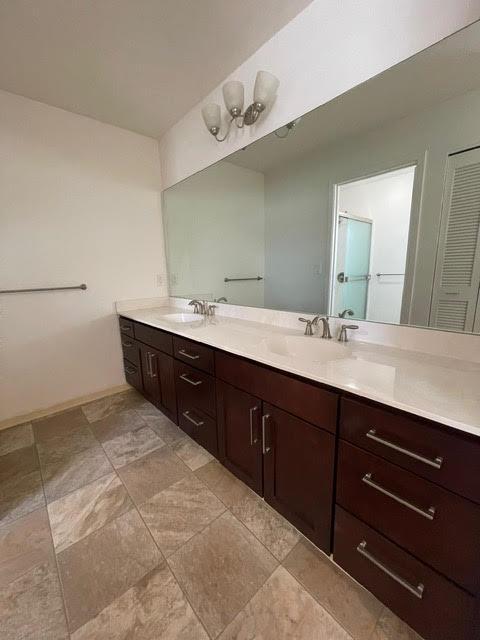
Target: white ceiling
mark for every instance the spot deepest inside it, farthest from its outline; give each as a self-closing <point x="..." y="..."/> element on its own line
<point x="448" y="68"/>
<point x="137" y="64"/>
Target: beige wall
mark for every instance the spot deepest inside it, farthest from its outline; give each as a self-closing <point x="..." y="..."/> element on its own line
<point x="79" y="202"/>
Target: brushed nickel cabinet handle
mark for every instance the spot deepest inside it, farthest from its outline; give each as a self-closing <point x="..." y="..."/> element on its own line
<point x="265" y="448"/>
<point x="194" y="383"/>
<point x="127" y="344"/>
<point x="151" y="357"/>
<point x="124" y="327"/>
<point x="186" y="414"/>
<point x="188" y="355"/>
<point x="436" y="463"/>
<point x="429" y="514"/>
<point x="147" y="362"/>
<point x="253" y="440"/>
<point x="130" y="371"/>
<point x="416" y="591"/>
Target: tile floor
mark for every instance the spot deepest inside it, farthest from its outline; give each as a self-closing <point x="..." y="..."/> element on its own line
<point x="115" y="525"/>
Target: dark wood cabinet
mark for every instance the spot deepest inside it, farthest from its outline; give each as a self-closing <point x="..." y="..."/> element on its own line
<point x="159" y="380"/>
<point x="428" y="602"/>
<point x="288" y="460"/>
<point x="298" y="471"/>
<point x="406" y="492"/>
<point x="239" y="430"/>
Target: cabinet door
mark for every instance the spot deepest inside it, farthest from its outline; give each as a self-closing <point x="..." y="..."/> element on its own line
<point x="298" y="463"/>
<point x="151" y="382"/>
<point x="239" y="416"/>
<point x="168" y="397"/>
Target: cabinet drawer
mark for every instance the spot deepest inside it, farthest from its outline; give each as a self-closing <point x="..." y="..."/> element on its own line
<point x="131" y="349"/>
<point x="157" y="338"/>
<point x="199" y="426"/>
<point x="435" y="525"/>
<point x="431" y="604"/>
<point x="302" y="399"/>
<point x="433" y="452"/>
<point x="126" y="326"/>
<point x="194" y="354"/>
<point x="195" y="388"/>
<point x="133" y="374"/>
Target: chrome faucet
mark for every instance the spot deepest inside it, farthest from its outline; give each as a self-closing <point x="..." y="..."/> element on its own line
<point x="197" y="305"/>
<point x="345" y="312"/>
<point x="309" y="325"/>
<point x="343" y="336"/>
<point x="326" y="333"/>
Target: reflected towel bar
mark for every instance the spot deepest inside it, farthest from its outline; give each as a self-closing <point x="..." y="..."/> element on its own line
<point x="389" y="274"/>
<point x="241" y="279"/>
<point x="78" y="286"/>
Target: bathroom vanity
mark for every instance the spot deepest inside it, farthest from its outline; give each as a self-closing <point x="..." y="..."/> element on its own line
<point x="390" y="488"/>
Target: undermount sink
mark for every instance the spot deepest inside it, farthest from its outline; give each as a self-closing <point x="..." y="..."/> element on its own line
<point x="182" y="318"/>
<point x="308" y="348"/>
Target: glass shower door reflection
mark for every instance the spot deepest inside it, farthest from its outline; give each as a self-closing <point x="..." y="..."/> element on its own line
<point x="352" y="276"/>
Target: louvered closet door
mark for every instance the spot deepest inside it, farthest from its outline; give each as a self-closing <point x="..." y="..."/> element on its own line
<point x="457" y="273"/>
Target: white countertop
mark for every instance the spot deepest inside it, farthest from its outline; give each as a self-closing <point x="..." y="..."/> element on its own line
<point x="446" y="390"/>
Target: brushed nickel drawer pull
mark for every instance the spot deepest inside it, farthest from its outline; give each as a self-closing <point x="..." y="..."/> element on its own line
<point x="265" y="449"/>
<point x="125" y="327"/>
<point x="252" y="439"/>
<point x="417" y="591"/>
<point x="148" y="363"/>
<point x="194" y="383"/>
<point x="130" y="371"/>
<point x="186" y="414"/>
<point x="429" y="514"/>
<point x="436" y="463"/>
<point x="127" y="344"/>
<point x="188" y="355"/>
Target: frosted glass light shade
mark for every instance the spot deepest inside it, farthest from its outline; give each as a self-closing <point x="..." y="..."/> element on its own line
<point x="233" y="94"/>
<point x="266" y="85"/>
<point x="211" y="115"/>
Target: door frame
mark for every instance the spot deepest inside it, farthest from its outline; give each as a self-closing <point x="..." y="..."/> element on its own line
<point x="419" y="164"/>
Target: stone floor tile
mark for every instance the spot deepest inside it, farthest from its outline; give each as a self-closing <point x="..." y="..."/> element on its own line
<point x="16" y="438"/>
<point x="192" y="454"/>
<point x="74" y="471"/>
<point x="109" y="405"/>
<point x="117" y="424"/>
<point x="278" y="535"/>
<point x="175" y="514"/>
<point x="59" y="424"/>
<point x="282" y="610"/>
<point x="151" y="474"/>
<point x="224" y="484"/>
<point x="390" y="627"/>
<point x="130" y="446"/>
<point x="354" y="607"/>
<point x="21" y="488"/>
<point x="24" y="544"/>
<point x="220" y="569"/>
<point x="154" y="609"/>
<point x="87" y="509"/>
<point x="31" y="606"/>
<point x="166" y="429"/>
<point x="98" y="569"/>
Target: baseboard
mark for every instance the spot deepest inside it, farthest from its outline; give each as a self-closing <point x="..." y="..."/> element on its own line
<point x="75" y="402"/>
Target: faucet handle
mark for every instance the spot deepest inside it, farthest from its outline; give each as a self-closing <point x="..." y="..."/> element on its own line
<point x="308" y="325"/>
<point x="211" y="309"/>
<point x="343" y="336"/>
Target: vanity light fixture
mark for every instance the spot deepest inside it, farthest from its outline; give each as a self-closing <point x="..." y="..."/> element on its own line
<point x="290" y="126"/>
<point x="266" y="85"/>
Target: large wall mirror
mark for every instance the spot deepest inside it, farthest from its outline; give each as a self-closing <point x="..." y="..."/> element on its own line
<point x="369" y="206"/>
